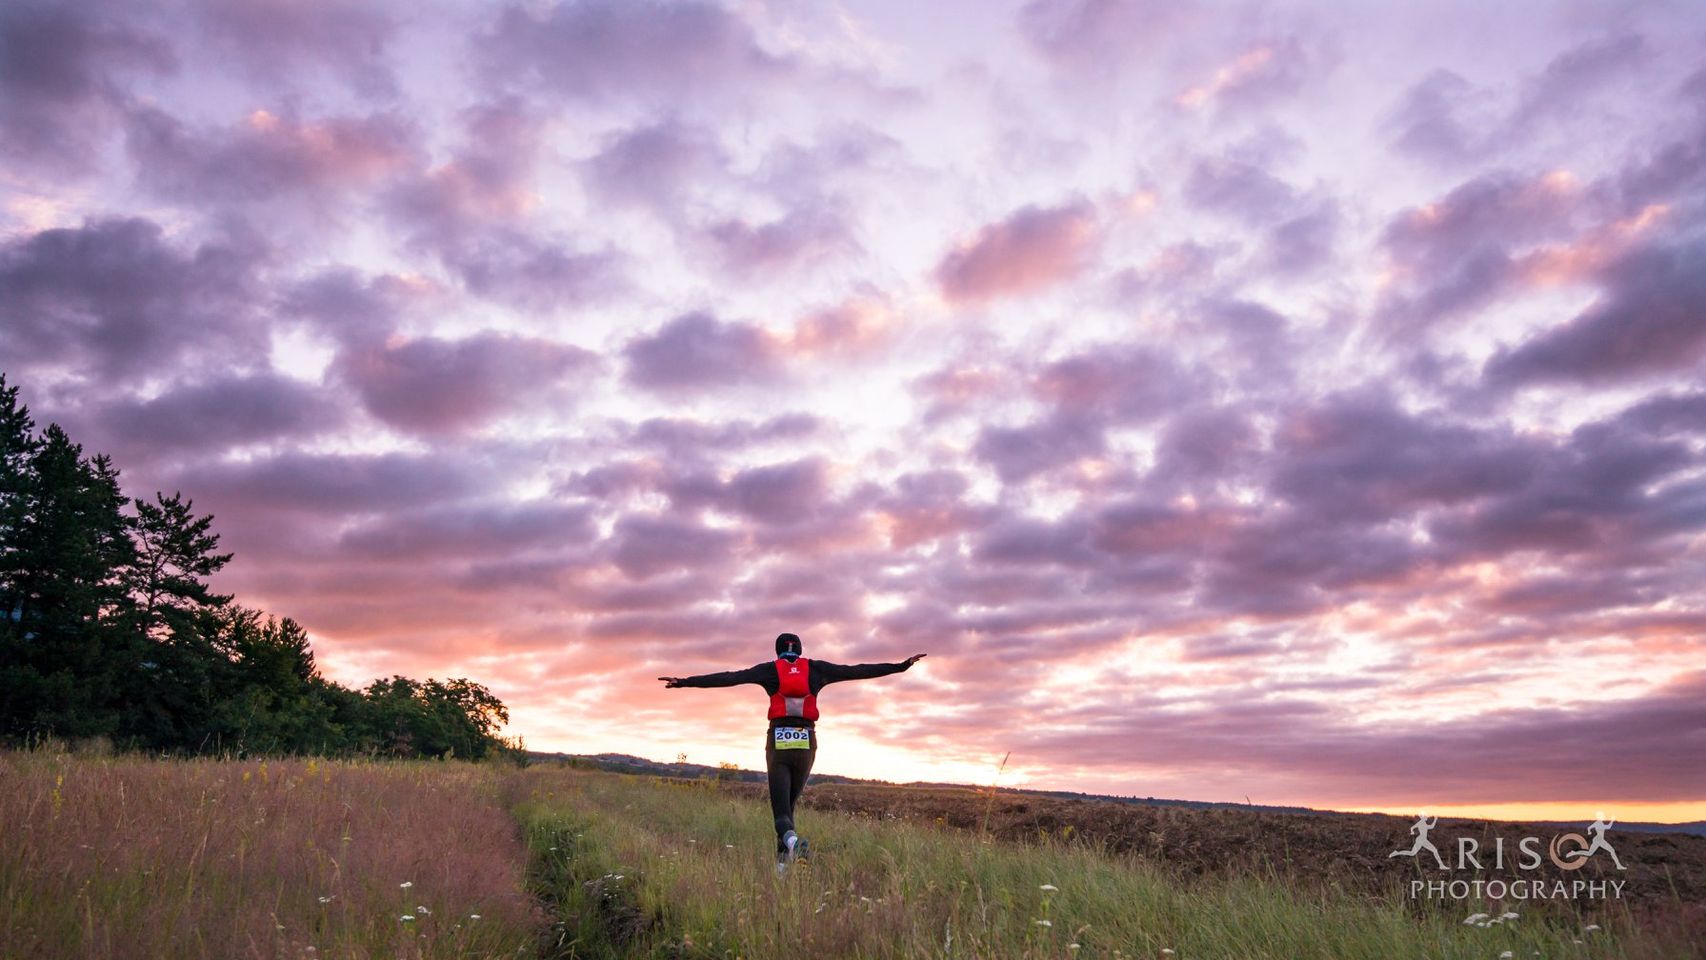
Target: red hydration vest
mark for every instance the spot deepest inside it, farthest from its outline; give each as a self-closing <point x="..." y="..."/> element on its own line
<point x="793" y="697"/>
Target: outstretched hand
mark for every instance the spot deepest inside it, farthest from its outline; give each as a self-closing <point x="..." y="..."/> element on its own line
<point x="671" y="681"/>
<point x="915" y="658"/>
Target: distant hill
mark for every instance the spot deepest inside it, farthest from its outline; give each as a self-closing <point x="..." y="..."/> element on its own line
<point x="626" y="763"/>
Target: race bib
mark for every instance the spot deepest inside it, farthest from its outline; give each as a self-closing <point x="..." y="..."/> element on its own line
<point x="793" y="738"/>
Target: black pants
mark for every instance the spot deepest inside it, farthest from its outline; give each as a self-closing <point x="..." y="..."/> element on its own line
<point x="788" y="770"/>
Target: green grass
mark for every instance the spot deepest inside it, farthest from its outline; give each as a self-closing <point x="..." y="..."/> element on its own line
<point x="697" y="881"/>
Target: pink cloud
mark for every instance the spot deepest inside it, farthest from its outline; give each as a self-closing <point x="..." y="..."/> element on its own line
<point x="1031" y="249"/>
<point x="854" y="329"/>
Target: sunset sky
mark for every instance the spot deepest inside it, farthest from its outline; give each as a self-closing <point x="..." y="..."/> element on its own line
<point x="1300" y="402"/>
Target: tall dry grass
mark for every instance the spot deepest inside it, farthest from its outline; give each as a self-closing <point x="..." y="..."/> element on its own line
<point x="119" y="858"/>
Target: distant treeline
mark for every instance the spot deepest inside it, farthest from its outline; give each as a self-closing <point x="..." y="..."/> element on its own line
<point x="109" y="631"/>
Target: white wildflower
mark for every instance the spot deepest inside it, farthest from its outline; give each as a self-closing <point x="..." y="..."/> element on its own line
<point x="1507" y="915"/>
<point x="1473" y="919"/>
<point x="1506" y="955"/>
<point x="406" y="884"/>
<point x="1048" y="888"/>
<point x="1590" y="928"/>
<point x="473" y="916"/>
<point x="1073" y="947"/>
<point x="328" y="899"/>
<point x="407" y="917"/>
<point x="423" y="911"/>
<point x="1043" y="923"/>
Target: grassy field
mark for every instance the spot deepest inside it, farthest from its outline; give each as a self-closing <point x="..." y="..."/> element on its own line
<point x="135" y="858"/>
<point x="120" y="857"/>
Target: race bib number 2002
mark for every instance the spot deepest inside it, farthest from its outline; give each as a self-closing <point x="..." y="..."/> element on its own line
<point x="793" y="738"/>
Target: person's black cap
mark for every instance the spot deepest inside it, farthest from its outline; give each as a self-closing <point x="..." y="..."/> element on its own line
<point x="787" y="643"/>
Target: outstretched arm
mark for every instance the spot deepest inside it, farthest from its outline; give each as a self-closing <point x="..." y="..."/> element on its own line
<point x="834" y="672"/>
<point x="728" y="678"/>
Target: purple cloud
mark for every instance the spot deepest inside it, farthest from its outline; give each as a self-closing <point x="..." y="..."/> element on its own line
<point x="1650" y="320"/>
<point x="1097" y="34"/>
<point x="1303" y="243"/>
<point x="696" y="351"/>
<point x="433" y="385"/>
<point x="782" y="493"/>
<point x="798" y="239"/>
<point x="609" y="49"/>
<point x="269" y="156"/>
<point x="1019" y="453"/>
<point x="475" y="213"/>
<point x="468" y="530"/>
<point x="1238" y="188"/>
<point x="1571" y="77"/>
<point x="644" y="546"/>
<point x="1359" y="457"/>
<point x="1430" y="121"/>
<point x="1466" y="250"/>
<point x="348" y="307"/>
<point x="652" y="165"/>
<point x="692" y="441"/>
<point x="279" y="40"/>
<point x="519" y="269"/>
<point x="116" y="299"/>
<point x="61" y="69"/>
<point x="1115" y="382"/>
<point x="212" y="416"/>
<point x="331" y="484"/>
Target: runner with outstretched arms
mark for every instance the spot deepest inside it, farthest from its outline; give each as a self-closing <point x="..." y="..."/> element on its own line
<point x="790" y="745"/>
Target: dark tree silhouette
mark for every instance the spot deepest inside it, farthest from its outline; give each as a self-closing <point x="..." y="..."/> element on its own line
<point x="109" y="627"/>
<point x="174" y="557"/>
<point x="70" y="546"/>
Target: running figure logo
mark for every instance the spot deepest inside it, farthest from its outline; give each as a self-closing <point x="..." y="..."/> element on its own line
<point x="1420" y="828"/>
<point x="1597" y="831"/>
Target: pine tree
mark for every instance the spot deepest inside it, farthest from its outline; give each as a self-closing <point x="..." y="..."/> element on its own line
<point x="174" y="556"/>
<point x="71" y="543"/>
<point x="17" y="446"/>
<point x="275" y="700"/>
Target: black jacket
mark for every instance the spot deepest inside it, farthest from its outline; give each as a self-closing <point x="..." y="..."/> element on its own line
<point x="821" y="674"/>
